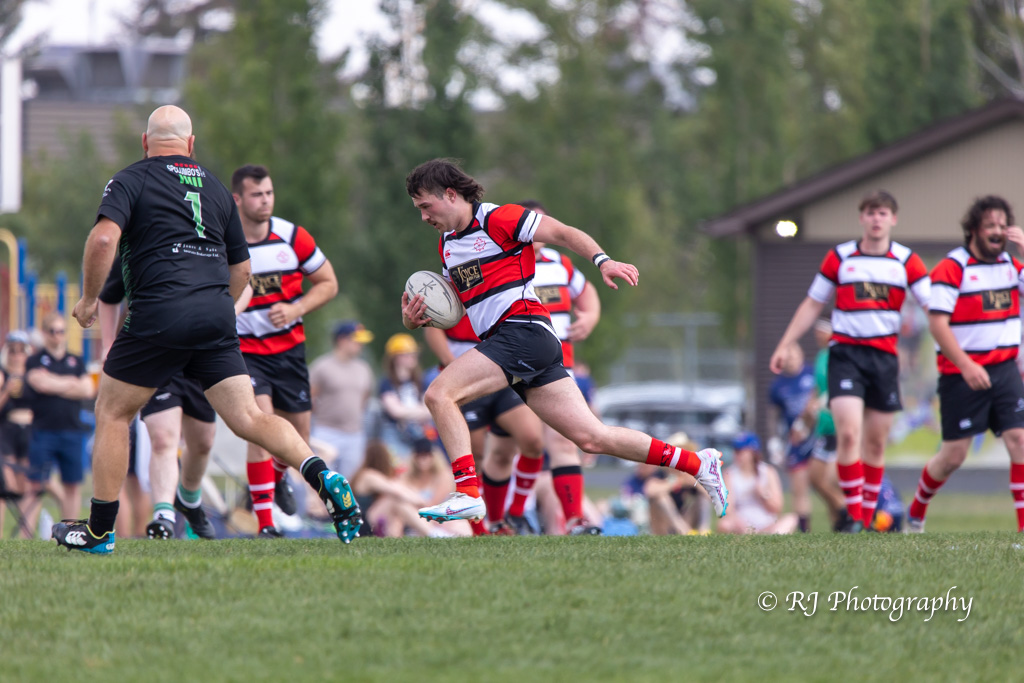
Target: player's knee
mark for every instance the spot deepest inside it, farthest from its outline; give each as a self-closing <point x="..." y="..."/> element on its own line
<point x="502" y="459"/>
<point x="244" y="421"/>
<point x="435" y="396"/>
<point x="532" y="447"/>
<point x="204" y="445"/>
<point x="162" y="440"/>
<point x="1014" y="439"/>
<point x="590" y="442"/>
<point x="107" y="410"/>
<point x="847" y="440"/>
<point x="953" y="459"/>
<point x="199" y="437"/>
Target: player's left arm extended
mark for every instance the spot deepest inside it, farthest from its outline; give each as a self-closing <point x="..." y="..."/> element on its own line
<point x="553" y="231"/>
<point x="100" y="249"/>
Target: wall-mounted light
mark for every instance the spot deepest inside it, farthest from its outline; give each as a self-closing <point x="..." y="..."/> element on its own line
<point x="786" y="229"/>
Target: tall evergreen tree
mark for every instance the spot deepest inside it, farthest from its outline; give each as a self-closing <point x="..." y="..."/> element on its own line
<point x="415" y="107"/>
<point x="577" y="145"/>
<point x="259" y="94"/>
<point x="998" y="46"/>
<point x="918" y="66"/>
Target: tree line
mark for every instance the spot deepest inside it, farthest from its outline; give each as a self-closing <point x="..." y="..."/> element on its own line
<point x="630" y="119"/>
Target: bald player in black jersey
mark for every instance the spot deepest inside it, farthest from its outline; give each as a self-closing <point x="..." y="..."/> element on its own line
<point x="185" y="261"/>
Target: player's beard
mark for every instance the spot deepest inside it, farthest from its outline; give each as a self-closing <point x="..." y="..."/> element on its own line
<point x="987" y="251"/>
<point x="258" y="216"/>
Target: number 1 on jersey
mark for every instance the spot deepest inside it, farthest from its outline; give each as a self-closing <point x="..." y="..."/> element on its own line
<point x="197" y="211"/>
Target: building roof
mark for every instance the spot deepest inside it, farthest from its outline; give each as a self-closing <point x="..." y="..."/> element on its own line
<point x="746" y="217"/>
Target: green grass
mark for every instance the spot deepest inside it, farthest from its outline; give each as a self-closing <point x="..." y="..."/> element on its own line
<point x="970" y="512"/>
<point x="947" y="512"/>
<point x="918" y="445"/>
<point x="509" y="609"/>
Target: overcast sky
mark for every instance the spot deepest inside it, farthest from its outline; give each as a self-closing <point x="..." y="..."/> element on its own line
<point x="97" y="22"/>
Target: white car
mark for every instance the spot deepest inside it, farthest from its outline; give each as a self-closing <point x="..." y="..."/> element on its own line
<point x="710" y="413"/>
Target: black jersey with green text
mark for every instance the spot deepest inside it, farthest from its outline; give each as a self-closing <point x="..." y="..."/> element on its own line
<point x="179" y="233"/>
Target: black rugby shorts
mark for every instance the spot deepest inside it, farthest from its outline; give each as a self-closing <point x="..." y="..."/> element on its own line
<point x="284" y="377"/>
<point x="866" y="372"/>
<point x="529" y="354"/>
<point x="966" y="412"/>
<point x="144" y="364"/>
<point x="183" y="393"/>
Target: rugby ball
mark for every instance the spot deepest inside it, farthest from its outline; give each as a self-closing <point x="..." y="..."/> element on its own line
<point x="444" y="308"/>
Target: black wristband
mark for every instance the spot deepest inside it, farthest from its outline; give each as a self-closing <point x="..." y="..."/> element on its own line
<point x="599" y="258"/>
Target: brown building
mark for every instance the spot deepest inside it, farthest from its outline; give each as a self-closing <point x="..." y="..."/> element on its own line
<point x="94" y="90"/>
<point x="934" y="174"/>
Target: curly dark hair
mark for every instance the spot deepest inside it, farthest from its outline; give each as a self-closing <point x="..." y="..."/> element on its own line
<point x="437" y="175"/>
<point x="972" y="219"/>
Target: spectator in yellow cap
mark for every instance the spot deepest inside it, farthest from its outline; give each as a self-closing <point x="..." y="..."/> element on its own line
<point x="404" y="417"/>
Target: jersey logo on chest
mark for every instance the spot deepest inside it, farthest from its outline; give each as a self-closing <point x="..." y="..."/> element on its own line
<point x="871" y="291"/>
<point x="550" y="294"/>
<point x="996" y="300"/>
<point x="467" y="275"/>
<point x="265" y="284"/>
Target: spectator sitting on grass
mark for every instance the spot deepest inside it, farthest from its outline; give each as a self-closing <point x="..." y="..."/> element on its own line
<point x="390" y="505"/>
<point x="674" y="505"/>
<point x="755" y="493"/>
<point x="430" y="476"/>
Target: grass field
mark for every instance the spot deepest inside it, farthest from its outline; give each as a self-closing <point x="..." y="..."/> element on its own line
<point x="520" y="609"/>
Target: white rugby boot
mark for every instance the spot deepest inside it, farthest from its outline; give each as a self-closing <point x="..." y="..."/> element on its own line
<point x="456" y="506"/>
<point x="710" y="477"/>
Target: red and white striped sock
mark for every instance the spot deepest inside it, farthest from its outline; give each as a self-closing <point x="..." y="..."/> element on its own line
<point x="1017" y="489"/>
<point x="526" y="471"/>
<point x="851" y="481"/>
<point x="664" y="455"/>
<point x="279" y="469"/>
<point x="927" y="486"/>
<point x="261" y="488"/>
<point x="872" y="485"/>
<point x="464" y="469"/>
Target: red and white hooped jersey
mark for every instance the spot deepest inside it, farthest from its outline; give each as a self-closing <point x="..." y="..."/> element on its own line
<point x="278" y="263"/>
<point x="983" y="302"/>
<point x="491" y="265"/>
<point x="557" y="283"/>
<point x="870" y="291"/>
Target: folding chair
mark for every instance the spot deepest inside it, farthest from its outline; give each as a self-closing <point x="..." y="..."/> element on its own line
<point x="11" y="498"/>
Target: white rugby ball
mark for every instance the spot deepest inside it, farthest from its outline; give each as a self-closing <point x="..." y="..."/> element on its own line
<point x="444" y="308"/>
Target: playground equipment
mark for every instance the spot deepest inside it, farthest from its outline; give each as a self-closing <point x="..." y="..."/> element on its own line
<point x="25" y="300"/>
